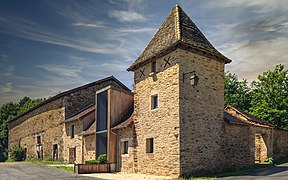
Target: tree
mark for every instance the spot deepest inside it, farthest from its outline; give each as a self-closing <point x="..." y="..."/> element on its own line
<point x="237" y="93"/>
<point x="7" y="112"/>
<point x="270" y="97"/>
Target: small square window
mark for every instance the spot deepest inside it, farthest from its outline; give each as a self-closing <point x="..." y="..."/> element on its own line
<point x="125" y="147"/>
<point x="150" y="145"/>
<point x="38" y="139"/>
<point x="153" y="67"/>
<point x="154" y="102"/>
<point x="72" y="131"/>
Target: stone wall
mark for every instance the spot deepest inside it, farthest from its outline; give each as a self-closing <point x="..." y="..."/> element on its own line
<point x="280" y="143"/>
<point x="126" y="161"/>
<point x="201" y="115"/>
<point x="45" y="122"/>
<point x="238" y="146"/>
<point x="162" y="123"/>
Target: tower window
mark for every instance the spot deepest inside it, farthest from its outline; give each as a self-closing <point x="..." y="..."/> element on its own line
<point x="150" y="145"/>
<point x="153" y="67"/>
<point x="154" y="102"/>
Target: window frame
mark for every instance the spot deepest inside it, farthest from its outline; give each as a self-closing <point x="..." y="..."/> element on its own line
<point x="153" y="67"/>
<point x="125" y="147"/>
<point x="72" y="131"/>
<point x="150" y="147"/>
<point x="38" y="139"/>
<point x="154" y="102"/>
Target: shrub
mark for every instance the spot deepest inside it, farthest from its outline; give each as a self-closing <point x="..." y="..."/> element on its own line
<point x="17" y="153"/>
<point x="92" y="162"/>
<point x="269" y="160"/>
<point x="102" y="159"/>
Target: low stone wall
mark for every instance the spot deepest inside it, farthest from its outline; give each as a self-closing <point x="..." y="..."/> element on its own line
<point x="280" y="143"/>
<point x="238" y="152"/>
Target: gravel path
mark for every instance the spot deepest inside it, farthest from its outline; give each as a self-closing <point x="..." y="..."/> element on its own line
<point x="30" y="171"/>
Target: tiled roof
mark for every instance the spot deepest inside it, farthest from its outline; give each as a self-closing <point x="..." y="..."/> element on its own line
<point x="177" y="30"/>
<point x="124" y="124"/>
<point x="90" y="130"/>
<point x="235" y="115"/>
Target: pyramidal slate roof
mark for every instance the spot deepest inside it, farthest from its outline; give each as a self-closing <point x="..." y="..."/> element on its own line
<point x="177" y="31"/>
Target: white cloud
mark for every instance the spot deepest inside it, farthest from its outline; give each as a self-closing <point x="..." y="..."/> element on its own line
<point x="128" y="16"/>
<point x="89" y="25"/>
<point x="62" y="70"/>
<point x="135" y="30"/>
<point x="7" y="71"/>
<point x="3" y="57"/>
<point x="6" y="88"/>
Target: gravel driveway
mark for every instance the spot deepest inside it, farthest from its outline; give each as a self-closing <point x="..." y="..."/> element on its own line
<point x="30" y="171"/>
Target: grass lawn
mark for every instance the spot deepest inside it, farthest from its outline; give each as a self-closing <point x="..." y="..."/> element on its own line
<point x="66" y="168"/>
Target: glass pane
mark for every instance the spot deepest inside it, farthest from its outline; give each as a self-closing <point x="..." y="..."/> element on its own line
<point x="101" y="143"/>
<point x="102" y="108"/>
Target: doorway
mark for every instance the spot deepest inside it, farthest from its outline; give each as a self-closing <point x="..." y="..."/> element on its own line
<point x="260" y="148"/>
<point x="55" y="152"/>
<point x="72" y="155"/>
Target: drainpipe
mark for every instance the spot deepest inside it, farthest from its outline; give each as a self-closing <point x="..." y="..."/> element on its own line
<point x="117" y="152"/>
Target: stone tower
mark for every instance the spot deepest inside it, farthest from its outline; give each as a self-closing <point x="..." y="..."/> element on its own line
<point x="179" y="101"/>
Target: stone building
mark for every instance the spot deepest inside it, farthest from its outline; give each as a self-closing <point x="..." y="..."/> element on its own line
<point x="41" y="130"/>
<point x="174" y="123"/>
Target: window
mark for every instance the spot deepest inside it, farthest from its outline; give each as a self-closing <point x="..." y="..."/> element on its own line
<point x="153" y="67"/>
<point x="38" y="139"/>
<point x="125" y="147"/>
<point x="72" y="131"/>
<point x="150" y="145"/>
<point x="154" y="102"/>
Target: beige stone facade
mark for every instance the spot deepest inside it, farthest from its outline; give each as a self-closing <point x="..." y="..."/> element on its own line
<point x="40" y="132"/>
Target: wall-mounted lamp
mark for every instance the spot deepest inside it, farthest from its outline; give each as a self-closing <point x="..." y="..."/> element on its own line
<point x="193" y="78"/>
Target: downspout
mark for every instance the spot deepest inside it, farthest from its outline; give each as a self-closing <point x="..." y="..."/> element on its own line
<point x="117" y="152"/>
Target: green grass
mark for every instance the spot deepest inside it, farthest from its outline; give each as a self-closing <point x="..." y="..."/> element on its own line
<point x="66" y="168"/>
<point x="47" y="161"/>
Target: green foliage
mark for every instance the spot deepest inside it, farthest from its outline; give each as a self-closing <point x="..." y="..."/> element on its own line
<point x="65" y="168"/>
<point x="7" y="112"/>
<point x="269" y="160"/>
<point x="267" y="98"/>
<point x="270" y="97"/>
<point x="237" y="93"/>
<point x="17" y="153"/>
<point x="102" y="159"/>
<point x="92" y="162"/>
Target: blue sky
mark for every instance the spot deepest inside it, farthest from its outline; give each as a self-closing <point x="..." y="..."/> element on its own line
<point x="50" y="46"/>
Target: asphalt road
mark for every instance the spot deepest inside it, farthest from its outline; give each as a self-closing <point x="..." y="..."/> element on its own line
<point x="30" y="171"/>
<point x="277" y="172"/>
